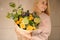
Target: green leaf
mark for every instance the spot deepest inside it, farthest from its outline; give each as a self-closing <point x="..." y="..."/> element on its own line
<point x="19" y="6"/>
<point x="15" y="19"/>
<point x="35" y="15"/>
<point x="12" y="4"/>
<point x="19" y="11"/>
<point x="14" y="10"/>
<point x="8" y="15"/>
<point x="15" y="15"/>
<point x="31" y="23"/>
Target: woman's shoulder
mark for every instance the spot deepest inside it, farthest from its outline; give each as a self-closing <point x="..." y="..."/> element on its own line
<point x="44" y="16"/>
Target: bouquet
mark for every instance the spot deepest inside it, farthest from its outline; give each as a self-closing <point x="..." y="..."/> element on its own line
<point x="25" y="20"/>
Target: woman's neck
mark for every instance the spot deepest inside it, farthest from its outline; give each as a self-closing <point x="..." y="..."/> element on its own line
<point x="39" y="13"/>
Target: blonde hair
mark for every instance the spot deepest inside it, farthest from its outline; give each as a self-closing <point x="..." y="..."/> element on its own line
<point x="47" y="11"/>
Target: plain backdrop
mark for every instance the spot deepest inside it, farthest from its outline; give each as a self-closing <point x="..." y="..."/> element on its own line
<point x="7" y="31"/>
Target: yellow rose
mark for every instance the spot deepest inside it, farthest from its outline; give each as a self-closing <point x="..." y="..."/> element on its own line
<point x="20" y="19"/>
<point x="31" y="17"/>
<point x="22" y="25"/>
<point x="29" y="27"/>
<point x="17" y="22"/>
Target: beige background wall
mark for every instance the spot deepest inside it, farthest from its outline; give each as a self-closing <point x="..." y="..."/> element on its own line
<point x="55" y="18"/>
<point x="7" y="27"/>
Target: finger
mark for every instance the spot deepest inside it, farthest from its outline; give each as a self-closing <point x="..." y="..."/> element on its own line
<point x="28" y="37"/>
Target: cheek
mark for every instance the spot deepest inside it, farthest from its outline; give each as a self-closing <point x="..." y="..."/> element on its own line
<point x="45" y="6"/>
<point x="41" y="7"/>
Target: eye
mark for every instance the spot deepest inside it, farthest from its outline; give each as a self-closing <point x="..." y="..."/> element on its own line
<point x="43" y="2"/>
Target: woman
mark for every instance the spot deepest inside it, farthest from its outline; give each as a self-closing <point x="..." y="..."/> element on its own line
<point x="42" y="33"/>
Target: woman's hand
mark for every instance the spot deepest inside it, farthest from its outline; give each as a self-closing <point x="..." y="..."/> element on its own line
<point x="24" y="33"/>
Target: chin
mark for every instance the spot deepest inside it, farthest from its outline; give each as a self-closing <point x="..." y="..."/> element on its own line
<point x="43" y="10"/>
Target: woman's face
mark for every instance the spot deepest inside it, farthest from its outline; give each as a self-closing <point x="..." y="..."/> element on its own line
<point x="42" y="5"/>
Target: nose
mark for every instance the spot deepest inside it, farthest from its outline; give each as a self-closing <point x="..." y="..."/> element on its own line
<point x="45" y="6"/>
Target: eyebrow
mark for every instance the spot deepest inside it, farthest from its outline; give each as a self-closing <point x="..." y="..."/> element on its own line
<point x="45" y="1"/>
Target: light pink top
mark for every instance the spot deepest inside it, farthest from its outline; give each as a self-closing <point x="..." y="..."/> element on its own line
<point x="44" y="28"/>
<point x="43" y="32"/>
